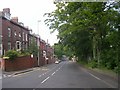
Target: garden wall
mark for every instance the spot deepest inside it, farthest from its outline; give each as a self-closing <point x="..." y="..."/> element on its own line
<point x="20" y="63"/>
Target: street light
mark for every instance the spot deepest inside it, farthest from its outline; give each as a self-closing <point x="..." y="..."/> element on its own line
<point x="38" y="44"/>
<point x="1" y="48"/>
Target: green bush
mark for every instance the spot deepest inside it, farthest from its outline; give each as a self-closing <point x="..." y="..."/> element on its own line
<point x="117" y="69"/>
<point x="24" y="53"/>
<point x="11" y="54"/>
<point x="93" y="64"/>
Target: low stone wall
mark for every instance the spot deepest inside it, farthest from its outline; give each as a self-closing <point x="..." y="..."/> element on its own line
<point x="20" y="63"/>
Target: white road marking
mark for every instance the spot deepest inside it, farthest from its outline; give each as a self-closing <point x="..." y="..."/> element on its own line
<point x="108" y="84"/>
<point x="101" y="80"/>
<point x="40" y="76"/>
<point x="56" y="70"/>
<point x="0" y="77"/>
<point x="46" y="73"/>
<point x="9" y="75"/>
<point x="53" y="73"/>
<point x="94" y="76"/>
<point x="45" y="79"/>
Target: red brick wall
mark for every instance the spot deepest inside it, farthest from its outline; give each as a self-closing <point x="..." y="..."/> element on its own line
<point x="20" y="63"/>
<point x="42" y="61"/>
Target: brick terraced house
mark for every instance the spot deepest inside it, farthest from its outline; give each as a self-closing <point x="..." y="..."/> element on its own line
<point x="15" y="36"/>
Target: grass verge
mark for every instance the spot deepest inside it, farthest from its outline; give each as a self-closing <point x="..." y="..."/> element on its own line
<point x="101" y="70"/>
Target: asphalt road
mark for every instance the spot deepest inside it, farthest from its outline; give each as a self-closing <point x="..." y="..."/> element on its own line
<point x="63" y="75"/>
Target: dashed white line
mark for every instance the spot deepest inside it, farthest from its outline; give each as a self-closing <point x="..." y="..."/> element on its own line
<point x="9" y="75"/>
<point x="56" y="70"/>
<point x="45" y="79"/>
<point x="53" y="73"/>
<point x="40" y="76"/>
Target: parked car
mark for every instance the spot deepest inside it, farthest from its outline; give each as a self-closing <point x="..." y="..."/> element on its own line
<point x="56" y="62"/>
<point x="59" y="61"/>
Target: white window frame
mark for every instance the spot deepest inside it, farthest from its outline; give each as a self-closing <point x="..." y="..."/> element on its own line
<point x="9" y="32"/>
<point x="1" y="50"/>
<point x="19" y="34"/>
<point x="15" y="34"/>
<point x="18" y="49"/>
<point x="26" y="37"/>
<point x="23" y="36"/>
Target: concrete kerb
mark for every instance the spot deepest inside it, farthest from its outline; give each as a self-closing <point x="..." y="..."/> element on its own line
<point x="27" y="70"/>
<point x="18" y="72"/>
<point x="24" y="71"/>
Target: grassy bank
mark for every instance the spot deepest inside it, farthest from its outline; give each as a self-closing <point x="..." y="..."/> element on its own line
<point x="102" y="70"/>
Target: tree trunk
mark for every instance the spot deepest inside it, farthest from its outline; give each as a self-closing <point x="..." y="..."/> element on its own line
<point x="94" y="48"/>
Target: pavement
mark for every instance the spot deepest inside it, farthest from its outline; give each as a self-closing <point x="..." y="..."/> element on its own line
<point x="22" y="71"/>
<point x="18" y="72"/>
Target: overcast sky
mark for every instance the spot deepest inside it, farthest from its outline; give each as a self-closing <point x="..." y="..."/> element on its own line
<point x="29" y="12"/>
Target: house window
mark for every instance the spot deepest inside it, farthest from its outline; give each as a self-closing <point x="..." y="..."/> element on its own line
<point x="19" y="34"/>
<point x="26" y="37"/>
<point x="1" y="50"/>
<point x="23" y="36"/>
<point x="15" y="33"/>
<point x="9" y="46"/>
<point x="9" y="32"/>
<point x="18" y="45"/>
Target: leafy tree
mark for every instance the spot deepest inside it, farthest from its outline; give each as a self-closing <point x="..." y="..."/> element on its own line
<point x="89" y="29"/>
<point x="33" y="48"/>
<point x="61" y="50"/>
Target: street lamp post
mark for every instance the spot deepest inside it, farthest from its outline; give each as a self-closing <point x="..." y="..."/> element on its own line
<point x="38" y="44"/>
<point x="1" y="48"/>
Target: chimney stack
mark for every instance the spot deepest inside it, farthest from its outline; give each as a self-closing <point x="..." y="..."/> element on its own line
<point x="6" y="13"/>
<point x="6" y="10"/>
<point x="15" y="19"/>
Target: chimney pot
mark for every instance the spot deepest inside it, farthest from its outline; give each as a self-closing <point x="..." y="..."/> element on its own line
<point x="6" y="10"/>
<point x="15" y="19"/>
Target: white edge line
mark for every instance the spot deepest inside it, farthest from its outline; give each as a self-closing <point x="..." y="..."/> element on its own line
<point x="94" y="76"/>
<point x="101" y="80"/>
